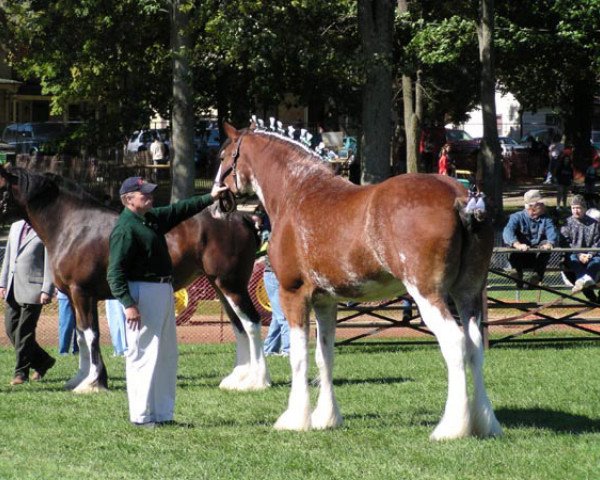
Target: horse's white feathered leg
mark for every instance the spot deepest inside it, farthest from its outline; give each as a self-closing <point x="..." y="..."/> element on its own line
<point x="91" y="382"/>
<point x="84" y="363"/>
<point x="326" y="414"/>
<point x="242" y="362"/>
<point x="483" y="418"/>
<point x="297" y="415"/>
<point x="456" y="421"/>
<point x="250" y="371"/>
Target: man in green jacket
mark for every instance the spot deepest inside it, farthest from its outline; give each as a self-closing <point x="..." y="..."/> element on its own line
<point x="139" y="275"/>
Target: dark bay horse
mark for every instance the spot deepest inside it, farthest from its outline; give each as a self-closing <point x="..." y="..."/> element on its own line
<point x="75" y="229"/>
<point x="332" y="241"/>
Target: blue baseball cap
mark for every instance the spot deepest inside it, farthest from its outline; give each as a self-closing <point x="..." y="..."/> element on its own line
<point x="136" y="184"/>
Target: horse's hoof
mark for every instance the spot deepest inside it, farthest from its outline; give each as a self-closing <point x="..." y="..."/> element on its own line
<point x="69" y="385"/>
<point x="322" y="420"/>
<point x="291" y="421"/>
<point x="488" y="428"/>
<point x="246" y="385"/>
<point x="93" y="388"/>
<point x="444" y="431"/>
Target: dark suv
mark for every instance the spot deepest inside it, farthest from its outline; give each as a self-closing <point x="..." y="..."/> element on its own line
<point x="43" y="137"/>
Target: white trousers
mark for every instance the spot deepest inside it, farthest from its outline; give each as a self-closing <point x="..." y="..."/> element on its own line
<point x="151" y="358"/>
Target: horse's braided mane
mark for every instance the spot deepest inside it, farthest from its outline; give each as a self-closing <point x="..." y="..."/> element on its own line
<point x="304" y="154"/>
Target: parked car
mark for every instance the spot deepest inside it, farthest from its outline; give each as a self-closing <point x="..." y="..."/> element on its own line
<point x="539" y="136"/>
<point x="509" y="145"/>
<point x="140" y="140"/>
<point x="44" y="137"/>
<point x="463" y="149"/>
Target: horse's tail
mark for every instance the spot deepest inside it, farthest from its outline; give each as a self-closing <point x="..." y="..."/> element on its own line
<point x="472" y="210"/>
<point x="477" y="243"/>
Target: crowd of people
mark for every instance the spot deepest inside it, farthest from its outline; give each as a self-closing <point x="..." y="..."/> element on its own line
<point x="533" y="234"/>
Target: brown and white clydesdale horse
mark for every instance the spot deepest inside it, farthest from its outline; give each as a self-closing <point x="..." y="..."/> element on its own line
<point x="75" y="229"/>
<point x="332" y="241"/>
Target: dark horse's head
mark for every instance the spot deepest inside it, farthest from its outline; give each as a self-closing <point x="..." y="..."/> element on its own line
<point x="21" y="190"/>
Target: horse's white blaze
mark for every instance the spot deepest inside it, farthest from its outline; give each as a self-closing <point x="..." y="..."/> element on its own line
<point x="456" y="421"/>
<point x="250" y="371"/>
<point x="327" y="413"/>
<point x="90" y="383"/>
<point x="218" y="175"/>
<point x="297" y="415"/>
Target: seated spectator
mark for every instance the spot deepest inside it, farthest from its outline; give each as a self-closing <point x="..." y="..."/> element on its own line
<point x="530" y="228"/>
<point x="581" y="231"/>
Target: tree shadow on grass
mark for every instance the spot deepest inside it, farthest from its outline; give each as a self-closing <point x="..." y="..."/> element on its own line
<point x="543" y="418"/>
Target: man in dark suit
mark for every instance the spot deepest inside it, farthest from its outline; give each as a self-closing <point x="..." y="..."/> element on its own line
<point x="26" y="285"/>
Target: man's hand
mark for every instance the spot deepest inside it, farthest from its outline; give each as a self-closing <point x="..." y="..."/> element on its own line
<point x="2" y="292"/>
<point x="546" y="246"/>
<point x="45" y="299"/>
<point x="133" y="317"/>
<point x="521" y="246"/>
<point x="217" y="190"/>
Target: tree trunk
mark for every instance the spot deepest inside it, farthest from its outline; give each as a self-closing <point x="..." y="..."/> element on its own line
<point x="182" y="114"/>
<point x="412" y="100"/>
<point x="413" y="111"/>
<point x="489" y="166"/>
<point x="375" y="19"/>
<point x="578" y="121"/>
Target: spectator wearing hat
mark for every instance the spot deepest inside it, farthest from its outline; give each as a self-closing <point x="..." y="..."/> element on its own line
<point x="530" y="228"/>
<point x="139" y="274"/>
<point x="582" y="231"/>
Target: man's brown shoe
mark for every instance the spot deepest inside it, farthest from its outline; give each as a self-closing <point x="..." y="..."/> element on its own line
<point x="18" y="380"/>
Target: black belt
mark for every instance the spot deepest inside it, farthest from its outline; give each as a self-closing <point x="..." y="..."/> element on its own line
<point x="167" y="279"/>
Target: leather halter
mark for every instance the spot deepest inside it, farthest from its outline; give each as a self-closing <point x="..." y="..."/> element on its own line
<point x="234" y="155"/>
<point x="227" y="202"/>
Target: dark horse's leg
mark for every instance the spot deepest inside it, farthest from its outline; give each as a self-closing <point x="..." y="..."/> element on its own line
<point x="250" y="371"/>
<point x="92" y="376"/>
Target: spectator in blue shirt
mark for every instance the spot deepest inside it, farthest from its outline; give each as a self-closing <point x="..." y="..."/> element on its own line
<point x="530" y="228"/>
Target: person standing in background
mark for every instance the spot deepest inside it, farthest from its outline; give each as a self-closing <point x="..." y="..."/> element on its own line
<point x="26" y="285"/>
<point x="66" y="325"/>
<point x="158" y="151"/>
<point x="115" y="316"/>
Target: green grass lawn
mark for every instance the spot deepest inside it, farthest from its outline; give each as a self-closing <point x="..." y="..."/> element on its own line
<point x="546" y="398"/>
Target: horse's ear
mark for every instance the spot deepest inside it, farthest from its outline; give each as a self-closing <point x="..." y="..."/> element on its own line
<point x="231" y="132"/>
